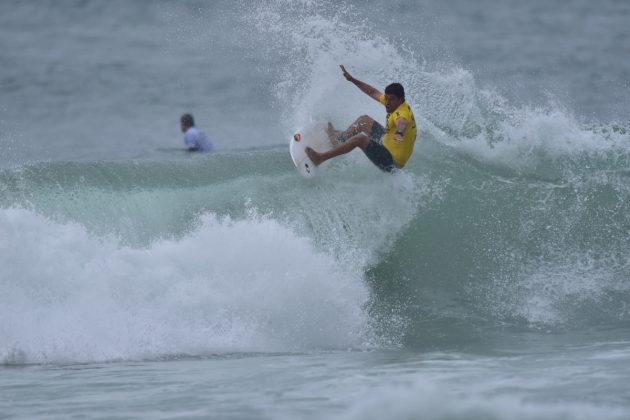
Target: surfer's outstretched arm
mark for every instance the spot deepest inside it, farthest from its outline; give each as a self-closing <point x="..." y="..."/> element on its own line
<point x="365" y="88"/>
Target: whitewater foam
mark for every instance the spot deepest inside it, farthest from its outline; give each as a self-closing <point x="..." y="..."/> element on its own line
<point x="230" y="286"/>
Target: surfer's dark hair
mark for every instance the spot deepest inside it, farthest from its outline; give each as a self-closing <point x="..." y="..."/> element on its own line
<point x="188" y="120"/>
<point x="397" y="90"/>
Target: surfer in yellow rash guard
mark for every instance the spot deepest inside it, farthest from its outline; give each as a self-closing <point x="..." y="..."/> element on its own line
<point x="387" y="147"/>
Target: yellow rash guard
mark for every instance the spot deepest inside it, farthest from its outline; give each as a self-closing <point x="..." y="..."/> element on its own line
<point x="400" y="149"/>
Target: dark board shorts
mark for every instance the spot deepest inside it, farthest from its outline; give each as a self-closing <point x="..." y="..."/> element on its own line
<point x="376" y="152"/>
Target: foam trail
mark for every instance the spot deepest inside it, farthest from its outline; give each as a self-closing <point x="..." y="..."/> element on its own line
<point x="422" y="398"/>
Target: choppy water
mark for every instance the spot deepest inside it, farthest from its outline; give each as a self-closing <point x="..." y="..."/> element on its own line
<point x="489" y="279"/>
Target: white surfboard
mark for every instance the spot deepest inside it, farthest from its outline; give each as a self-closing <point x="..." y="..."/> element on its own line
<point x="315" y="137"/>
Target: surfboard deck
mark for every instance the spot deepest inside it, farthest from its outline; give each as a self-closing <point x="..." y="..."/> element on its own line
<point x="315" y="137"/>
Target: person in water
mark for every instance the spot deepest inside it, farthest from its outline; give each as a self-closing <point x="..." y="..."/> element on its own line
<point x="387" y="147"/>
<point x="195" y="140"/>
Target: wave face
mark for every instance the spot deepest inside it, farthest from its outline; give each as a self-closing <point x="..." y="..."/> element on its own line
<point x="127" y="260"/>
<point x="507" y="217"/>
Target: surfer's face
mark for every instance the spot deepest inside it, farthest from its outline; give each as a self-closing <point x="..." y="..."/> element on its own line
<point x="392" y="102"/>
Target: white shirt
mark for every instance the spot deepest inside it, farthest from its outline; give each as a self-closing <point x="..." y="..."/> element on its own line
<point x="197" y="140"/>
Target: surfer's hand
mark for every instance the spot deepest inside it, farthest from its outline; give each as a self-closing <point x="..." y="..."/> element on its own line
<point x="346" y="74"/>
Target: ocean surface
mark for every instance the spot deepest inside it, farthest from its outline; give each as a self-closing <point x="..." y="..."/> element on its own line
<point x="489" y="279"/>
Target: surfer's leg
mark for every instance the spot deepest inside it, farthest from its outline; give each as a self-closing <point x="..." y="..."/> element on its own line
<point x="363" y="124"/>
<point x="360" y="140"/>
<point x="334" y="135"/>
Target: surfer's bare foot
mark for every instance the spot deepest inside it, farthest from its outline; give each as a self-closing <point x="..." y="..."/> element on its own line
<point x="315" y="157"/>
